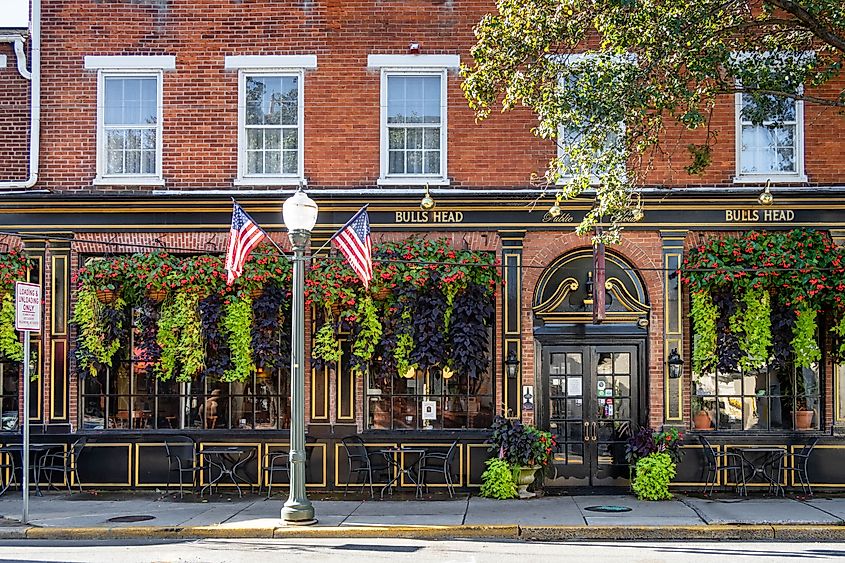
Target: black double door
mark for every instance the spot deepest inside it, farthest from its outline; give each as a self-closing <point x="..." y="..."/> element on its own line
<point x="591" y="395"/>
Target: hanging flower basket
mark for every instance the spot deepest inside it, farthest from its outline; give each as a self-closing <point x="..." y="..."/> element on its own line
<point x="381" y="293"/>
<point x="257" y="292"/>
<point x="106" y="295"/>
<point x="156" y="295"/>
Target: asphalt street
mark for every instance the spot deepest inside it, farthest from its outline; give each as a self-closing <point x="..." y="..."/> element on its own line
<point x="419" y="551"/>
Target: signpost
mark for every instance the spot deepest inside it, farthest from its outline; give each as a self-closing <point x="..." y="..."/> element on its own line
<point x="27" y="319"/>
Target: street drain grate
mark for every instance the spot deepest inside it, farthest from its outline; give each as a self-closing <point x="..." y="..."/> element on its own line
<point x="140" y="518"/>
<point x="608" y="508"/>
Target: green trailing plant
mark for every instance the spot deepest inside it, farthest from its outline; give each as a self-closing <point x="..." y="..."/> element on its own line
<point x="326" y="346"/>
<point x="703" y="313"/>
<point x="368" y="334"/>
<point x="11" y="348"/>
<point x="805" y="343"/>
<point x="839" y="330"/>
<point x="652" y="475"/>
<point x="237" y="321"/>
<point x="98" y="340"/>
<point x="754" y="325"/>
<point x="180" y="338"/>
<point x="497" y="480"/>
<point x="762" y="284"/>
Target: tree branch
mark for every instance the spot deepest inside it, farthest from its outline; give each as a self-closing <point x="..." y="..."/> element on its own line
<point x="812" y="23"/>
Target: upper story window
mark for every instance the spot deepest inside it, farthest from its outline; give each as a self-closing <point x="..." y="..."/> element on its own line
<point x="270" y="118"/>
<point x="588" y="139"/>
<point x="129" y="118"/>
<point x="413" y="118"/>
<point x="771" y="149"/>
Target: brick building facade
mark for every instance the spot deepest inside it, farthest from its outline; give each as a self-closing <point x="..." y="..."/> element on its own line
<point x="160" y="172"/>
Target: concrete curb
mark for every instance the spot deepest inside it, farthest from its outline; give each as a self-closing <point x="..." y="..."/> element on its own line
<point x="504" y="532"/>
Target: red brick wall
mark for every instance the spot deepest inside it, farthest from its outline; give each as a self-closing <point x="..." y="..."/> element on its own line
<point x="341" y="95"/>
<point x="14" y="119"/>
<point x="643" y="250"/>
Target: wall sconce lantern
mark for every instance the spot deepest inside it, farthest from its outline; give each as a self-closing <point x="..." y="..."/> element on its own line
<point x="675" y="363"/>
<point x="512" y="364"/>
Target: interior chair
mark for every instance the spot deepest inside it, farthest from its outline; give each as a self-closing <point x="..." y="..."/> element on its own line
<point x="65" y="462"/>
<point x="361" y="464"/>
<point x="439" y="463"/>
<point x="182" y="458"/>
<point x="798" y="465"/>
<point x="715" y="461"/>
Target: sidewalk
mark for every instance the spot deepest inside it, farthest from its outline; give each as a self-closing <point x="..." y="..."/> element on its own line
<point x="78" y="516"/>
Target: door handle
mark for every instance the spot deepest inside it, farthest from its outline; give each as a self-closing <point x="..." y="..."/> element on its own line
<point x="595" y="432"/>
<point x="586" y="431"/>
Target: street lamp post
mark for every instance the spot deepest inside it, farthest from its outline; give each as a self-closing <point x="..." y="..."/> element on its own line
<point x="300" y="215"/>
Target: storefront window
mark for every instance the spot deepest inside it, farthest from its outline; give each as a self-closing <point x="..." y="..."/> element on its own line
<point x="396" y="403"/>
<point x="127" y="396"/>
<point x="773" y="398"/>
<point x="9" y="377"/>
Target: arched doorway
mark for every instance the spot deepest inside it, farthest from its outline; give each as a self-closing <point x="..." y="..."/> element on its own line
<point x="591" y="379"/>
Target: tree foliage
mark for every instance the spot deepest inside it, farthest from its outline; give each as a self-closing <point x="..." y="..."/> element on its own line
<point x="603" y="67"/>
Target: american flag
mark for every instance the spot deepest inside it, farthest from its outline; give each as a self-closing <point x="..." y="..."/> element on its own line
<point x="244" y="235"/>
<point x="354" y="241"/>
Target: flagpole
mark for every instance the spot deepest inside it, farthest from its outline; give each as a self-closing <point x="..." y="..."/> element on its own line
<point x="325" y="244"/>
<point x="266" y="235"/>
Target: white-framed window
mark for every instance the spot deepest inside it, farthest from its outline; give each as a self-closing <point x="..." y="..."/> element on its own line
<point x="413" y="118"/>
<point x="129" y="118"/>
<point x="572" y="134"/>
<point x="773" y="149"/>
<point x="271" y="115"/>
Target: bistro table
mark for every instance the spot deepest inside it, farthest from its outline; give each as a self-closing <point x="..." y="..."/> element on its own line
<point x="765" y="462"/>
<point x="227" y="460"/>
<point x="395" y="458"/>
<point x="36" y="460"/>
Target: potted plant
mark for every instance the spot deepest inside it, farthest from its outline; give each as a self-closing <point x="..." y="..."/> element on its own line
<point x="653" y="457"/>
<point x="525" y="448"/>
<point x="702" y="420"/>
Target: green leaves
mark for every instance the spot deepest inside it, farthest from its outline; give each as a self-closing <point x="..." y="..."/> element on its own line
<point x="652" y="476"/>
<point x="654" y="61"/>
<point x="11" y="348"/>
<point x="703" y="313"/>
<point x="497" y="480"/>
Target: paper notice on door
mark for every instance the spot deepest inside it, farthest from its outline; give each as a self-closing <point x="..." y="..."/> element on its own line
<point x="573" y="385"/>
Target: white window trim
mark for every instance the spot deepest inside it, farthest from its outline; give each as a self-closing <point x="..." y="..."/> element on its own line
<point x="386" y="179"/>
<point x="787" y="177"/>
<point x="3" y="61"/>
<point x="244" y="179"/>
<point x="102" y="179"/>
<point x="408" y="62"/>
<point x="270" y="62"/>
<point x="130" y="62"/>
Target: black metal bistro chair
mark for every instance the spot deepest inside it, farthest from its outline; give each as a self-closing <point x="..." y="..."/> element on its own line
<point x="361" y="463"/>
<point x="7" y="471"/>
<point x="798" y="465"/>
<point x="182" y="458"/>
<point x="275" y="462"/>
<point x="65" y="462"/>
<point x="439" y="463"/>
<point x="715" y="461"/>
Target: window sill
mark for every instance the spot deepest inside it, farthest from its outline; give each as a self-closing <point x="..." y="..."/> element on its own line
<point x="275" y="181"/>
<point x="763" y="178"/>
<point x="127" y="181"/>
<point x="413" y="181"/>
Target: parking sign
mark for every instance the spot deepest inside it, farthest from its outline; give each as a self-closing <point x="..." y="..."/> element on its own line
<point x="27" y="307"/>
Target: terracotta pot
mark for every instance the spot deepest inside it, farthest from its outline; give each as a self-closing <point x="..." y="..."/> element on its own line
<point x="256" y="293"/>
<point x="701" y="420"/>
<point x="526" y="476"/>
<point x="156" y="295"/>
<point x="106" y="295"/>
<point x="804" y="419"/>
